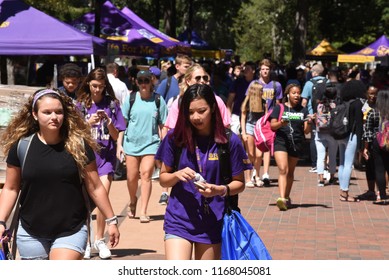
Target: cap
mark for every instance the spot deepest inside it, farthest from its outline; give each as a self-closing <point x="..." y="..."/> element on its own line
<point x="144" y="74"/>
<point x="155" y="71"/>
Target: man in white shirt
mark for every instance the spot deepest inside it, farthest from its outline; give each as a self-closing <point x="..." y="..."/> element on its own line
<point x="121" y="93"/>
<point x="120" y="88"/>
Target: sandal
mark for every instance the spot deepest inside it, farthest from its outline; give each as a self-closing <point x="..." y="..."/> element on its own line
<point x="381" y="202"/>
<point x="144" y="219"/>
<point x="344" y="197"/>
<point x="132" y="209"/>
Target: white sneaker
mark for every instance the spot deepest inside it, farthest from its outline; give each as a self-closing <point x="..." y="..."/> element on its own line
<point x="253" y="176"/>
<point x="101" y="247"/>
<point x="87" y="252"/>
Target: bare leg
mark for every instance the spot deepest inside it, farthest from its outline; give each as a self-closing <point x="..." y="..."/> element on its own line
<point x="100" y="218"/>
<point x="178" y="249"/>
<point x="207" y="251"/>
<point x="64" y="254"/>
<point x="146" y="169"/>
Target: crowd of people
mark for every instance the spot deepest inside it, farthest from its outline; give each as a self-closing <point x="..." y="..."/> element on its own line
<point x="171" y="122"/>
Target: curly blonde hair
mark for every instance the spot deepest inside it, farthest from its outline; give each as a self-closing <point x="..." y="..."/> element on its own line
<point x="75" y="132"/>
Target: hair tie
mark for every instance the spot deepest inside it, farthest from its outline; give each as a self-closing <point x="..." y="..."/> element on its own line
<point x="41" y="93"/>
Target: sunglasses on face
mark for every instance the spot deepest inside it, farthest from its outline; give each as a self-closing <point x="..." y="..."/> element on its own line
<point x="198" y="78"/>
<point x="143" y="81"/>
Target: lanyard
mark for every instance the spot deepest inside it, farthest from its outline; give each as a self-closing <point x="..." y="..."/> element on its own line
<point x="202" y="163"/>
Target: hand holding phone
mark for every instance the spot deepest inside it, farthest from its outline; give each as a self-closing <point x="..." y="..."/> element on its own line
<point x="101" y="113"/>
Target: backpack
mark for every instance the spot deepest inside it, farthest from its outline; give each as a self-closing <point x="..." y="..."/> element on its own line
<point x="223" y="151"/>
<point x="318" y="91"/>
<point x="157" y="100"/>
<point x="339" y="124"/>
<point x="263" y="134"/>
<point x="383" y="134"/>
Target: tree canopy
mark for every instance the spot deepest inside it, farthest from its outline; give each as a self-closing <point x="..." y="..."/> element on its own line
<point x="282" y="28"/>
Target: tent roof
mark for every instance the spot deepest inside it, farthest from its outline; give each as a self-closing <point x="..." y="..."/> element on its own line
<point x="25" y="30"/>
<point x="128" y="36"/>
<point x="324" y="48"/>
<point x="196" y="41"/>
<point x="378" y="48"/>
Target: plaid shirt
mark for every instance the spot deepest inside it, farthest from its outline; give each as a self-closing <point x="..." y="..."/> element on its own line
<point x="371" y="126"/>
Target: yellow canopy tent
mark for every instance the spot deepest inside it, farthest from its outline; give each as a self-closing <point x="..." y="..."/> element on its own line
<point x="323" y="51"/>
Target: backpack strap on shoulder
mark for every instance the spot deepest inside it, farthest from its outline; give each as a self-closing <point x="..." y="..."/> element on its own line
<point x="168" y="84"/>
<point x="132" y="100"/>
<point x="22" y="149"/>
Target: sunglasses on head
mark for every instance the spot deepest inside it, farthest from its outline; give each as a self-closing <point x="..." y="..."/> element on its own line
<point x="143" y="81"/>
<point x="198" y="78"/>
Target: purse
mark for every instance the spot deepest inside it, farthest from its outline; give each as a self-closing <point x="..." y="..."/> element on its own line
<point x="239" y="240"/>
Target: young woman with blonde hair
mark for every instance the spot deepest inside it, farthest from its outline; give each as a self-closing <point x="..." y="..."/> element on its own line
<point x="253" y="108"/>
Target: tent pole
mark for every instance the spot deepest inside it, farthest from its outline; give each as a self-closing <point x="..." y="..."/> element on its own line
<point x="92" y="58"/>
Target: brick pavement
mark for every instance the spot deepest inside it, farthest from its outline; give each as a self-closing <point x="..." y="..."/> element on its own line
<point x="318" y="227"/>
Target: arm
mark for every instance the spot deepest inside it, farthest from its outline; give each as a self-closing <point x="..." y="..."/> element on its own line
<point x="119" y="145"/>
<point x="236" y="186"/>
<point x="243" y="125"/>
<point x="9" y="193"/>
<point x="99" y="195"/>
<point x="230" y="101"/>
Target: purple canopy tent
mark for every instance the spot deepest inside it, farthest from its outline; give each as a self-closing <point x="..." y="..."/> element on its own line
<point x="127" y="36"/>
<point x="378" y="48"/>
<point x="25" y="30"/>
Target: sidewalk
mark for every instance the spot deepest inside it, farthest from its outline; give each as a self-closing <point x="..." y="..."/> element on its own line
<point x="318" y="227"/>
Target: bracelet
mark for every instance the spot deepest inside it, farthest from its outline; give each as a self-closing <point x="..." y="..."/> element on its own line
<point x="112" y="221"/>
<point x="3" y="224"/>
<point x="225" y="191"/>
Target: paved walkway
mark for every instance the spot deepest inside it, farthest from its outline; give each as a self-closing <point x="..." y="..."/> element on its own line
<point x="318" y="227"/>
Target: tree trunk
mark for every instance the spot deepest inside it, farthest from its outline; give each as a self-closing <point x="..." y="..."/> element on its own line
<point x="170" y="18"/>
<point x="300" y="31"/>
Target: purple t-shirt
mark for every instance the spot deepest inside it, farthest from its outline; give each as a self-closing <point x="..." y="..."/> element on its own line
<point x="106" y="156"/>
<point x="185" y="215"/>
<point x="268" y="92"/>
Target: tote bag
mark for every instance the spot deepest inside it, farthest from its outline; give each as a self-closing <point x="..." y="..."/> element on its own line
<point x="239" y="240"/>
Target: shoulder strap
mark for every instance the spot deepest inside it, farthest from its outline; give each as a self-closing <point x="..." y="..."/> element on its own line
<point x="275" y="93"/>
<point x="22" y="149"/>
<point x="224" y="159"/>
<point x="132" y="100"/>
<point x="168" y="83"/>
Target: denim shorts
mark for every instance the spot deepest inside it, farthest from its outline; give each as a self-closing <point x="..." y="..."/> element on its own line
<point x="172" y="236"/>
<point x="36" y="248"/>
<point x="250" y="129"/>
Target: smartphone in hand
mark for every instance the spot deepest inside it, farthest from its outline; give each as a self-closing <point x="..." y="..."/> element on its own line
<point x="199" y="185"/>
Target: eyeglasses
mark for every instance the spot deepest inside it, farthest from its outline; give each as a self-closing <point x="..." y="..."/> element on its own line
<point x="143" y="81"/>
<point x="198" y="78"/>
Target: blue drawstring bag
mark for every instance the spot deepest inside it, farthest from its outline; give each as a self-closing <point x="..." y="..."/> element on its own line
<point x="239" y="240"/>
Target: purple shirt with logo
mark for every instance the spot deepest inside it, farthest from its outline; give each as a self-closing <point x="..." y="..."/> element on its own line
<point x="185" y="214"/>
<point x="106" y="156"/>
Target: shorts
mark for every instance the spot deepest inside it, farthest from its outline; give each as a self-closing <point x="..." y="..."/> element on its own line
<point x="36" y="248"/>
<point x="250" y="129"/>
<point x="293" y="149"/>
<point x="235" y="124"/>
<point x="172" y="236"/>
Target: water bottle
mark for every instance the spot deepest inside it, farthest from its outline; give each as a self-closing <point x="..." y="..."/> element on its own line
<point x="199" y="178"/>
<point x="345" y="121"/>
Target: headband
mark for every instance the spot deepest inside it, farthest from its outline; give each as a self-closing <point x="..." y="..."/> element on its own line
<point x="41" y="93"/>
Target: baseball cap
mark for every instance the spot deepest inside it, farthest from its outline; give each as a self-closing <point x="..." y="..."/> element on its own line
<point x="155" y="71"/>
<point x="143" y="74"/>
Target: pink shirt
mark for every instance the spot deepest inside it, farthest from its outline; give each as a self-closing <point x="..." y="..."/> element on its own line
<point x="173" y="113"/>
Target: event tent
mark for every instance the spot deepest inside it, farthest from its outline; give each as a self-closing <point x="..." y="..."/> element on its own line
<point x="376" y="50"/>
<point x="323" y="51"/>
<point x="127" y="36"/>
<point x="25" y="30"/>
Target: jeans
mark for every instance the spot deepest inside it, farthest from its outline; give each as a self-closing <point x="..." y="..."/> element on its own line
<point x="312" y="146"/>
<point x="323" y="141"/>
<point x="347" y="148"/>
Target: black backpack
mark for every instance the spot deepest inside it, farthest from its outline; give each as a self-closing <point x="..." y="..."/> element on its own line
<point x="340" y="120"/>
<point x="318" y="91"/>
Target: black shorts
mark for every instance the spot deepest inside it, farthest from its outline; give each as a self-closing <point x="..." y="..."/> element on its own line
<point x="294" y="149"/>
